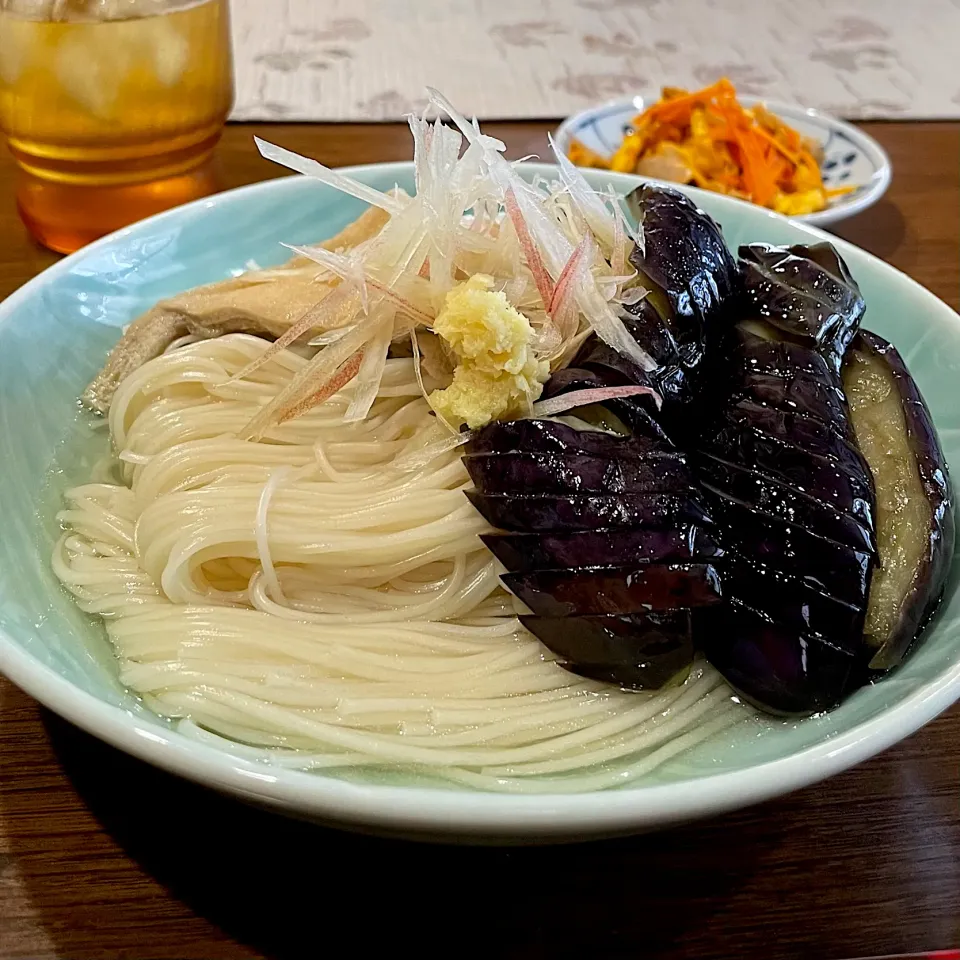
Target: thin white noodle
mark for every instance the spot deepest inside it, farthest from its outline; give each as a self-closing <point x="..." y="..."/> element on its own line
<point x="263" y="540"/>
<point x="323" y="601"/>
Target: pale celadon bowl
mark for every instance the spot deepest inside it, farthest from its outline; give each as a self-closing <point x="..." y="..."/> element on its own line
<point x="54" y="333"/>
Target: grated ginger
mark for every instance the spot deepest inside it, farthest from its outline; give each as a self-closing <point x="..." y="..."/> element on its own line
<point x="498" y="373"/>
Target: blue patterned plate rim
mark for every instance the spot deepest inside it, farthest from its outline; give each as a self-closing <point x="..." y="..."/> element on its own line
<point x="849" y="149"/>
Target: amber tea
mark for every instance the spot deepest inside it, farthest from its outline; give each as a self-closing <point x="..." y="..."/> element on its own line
<point x="111" y="108"/>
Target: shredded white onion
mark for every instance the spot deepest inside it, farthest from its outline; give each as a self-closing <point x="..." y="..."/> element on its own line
<point x="316" y="170"/>
<point x="560" y="254"/>
<point x="580" y="398"/>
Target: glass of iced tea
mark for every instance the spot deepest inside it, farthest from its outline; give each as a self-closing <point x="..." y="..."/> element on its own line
<point x="111" y="108"/>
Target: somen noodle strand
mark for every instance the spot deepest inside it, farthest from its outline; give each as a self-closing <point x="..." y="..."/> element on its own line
<point x="322" y="600"/>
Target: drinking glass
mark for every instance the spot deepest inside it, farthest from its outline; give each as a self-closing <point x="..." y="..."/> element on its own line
<point x="111" y="109"/>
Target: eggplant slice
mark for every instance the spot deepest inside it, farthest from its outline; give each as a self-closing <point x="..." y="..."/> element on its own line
<point x="806" y="293"/>
<point x="545" y="513"/>
<point x="742" y="517"/>
<point x="915" y="517"/>
<point x="783" y="502"/>
<point x="635" y="650"/>
<point x="792" y="495"/>
<point x="774" y="666"/>
<point x="640" y="588"/>
<point x="551" y="473"/>
<point x="824" y="564"/>
<point x="523" y="552"/>
<point x="694" y="285"/>
<point x="805" y="472"/>
<point x="780" y="358"/>
<point x="608" y="539"/>
<point x="798" y="393"/>
<point x="551" y="436"/>
<point x="798" y="430"/>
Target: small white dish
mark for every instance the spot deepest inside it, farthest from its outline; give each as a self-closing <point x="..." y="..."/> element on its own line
<point x="852" y="159"/>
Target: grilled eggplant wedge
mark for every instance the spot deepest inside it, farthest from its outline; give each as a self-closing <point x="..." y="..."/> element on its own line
<point x="608" y="540"/>
<point x="787" y="510"/>
<point x="915" y="514"/>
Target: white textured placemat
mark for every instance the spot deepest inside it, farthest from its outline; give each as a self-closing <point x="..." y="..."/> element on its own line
<point x="371" y="59"/>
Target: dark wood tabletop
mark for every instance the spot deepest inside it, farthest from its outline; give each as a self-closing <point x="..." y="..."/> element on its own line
<point x="104" y="857"/>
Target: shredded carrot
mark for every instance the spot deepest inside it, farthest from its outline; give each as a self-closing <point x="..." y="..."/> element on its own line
<point x="679" y="106"/>
<point x="790" y="155"/>
<point x="707" y="138"/>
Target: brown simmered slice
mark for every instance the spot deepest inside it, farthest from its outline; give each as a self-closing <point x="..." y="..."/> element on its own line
<point x="543" y="513"/>
<point x="775" y="666"/>
<point x="578" y="473"/>
<point x="642" y="651"/>
<point x="520" y="552"/>
<point x="915" y="521"/>
<point x="824" y="564"/>
<point x="770" y="496"/>
<point x="551" y="436"/>
<point x="640" y="588"/>
<point x="819" y="477"/>
<point x="798" y="430"/>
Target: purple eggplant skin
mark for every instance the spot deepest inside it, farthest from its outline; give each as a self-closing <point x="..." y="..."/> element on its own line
<point x="547" y="513"/>
<point x="779" y="358"/>
<point x="685" y="255"/>
<point x="785" y="375"/>
<point x="795" y="606"/>
<point x="549" y="436"/>
<point x="576" y="377"/>
<point x="829" y="567"/>
<point x="693" y="283"/>
<point x="781" y="501"/>
<point x="641" y="588"/>
<point x="616" y="369"/>
<point x="638" y="412"/>
<point x="817" y="476"/>
<point x="647" y="327"/>
<point x="523" y="552"/>
<point x="789" y="636"/>
<point x="798" y="394"/>
<point x="577" y="473"/>
<point x="929" y="582"/>
<point x="638" y="651"/>
<point x="806" y="292"/>
<point x="775" y="667"/>
<point x="809" y="434"/>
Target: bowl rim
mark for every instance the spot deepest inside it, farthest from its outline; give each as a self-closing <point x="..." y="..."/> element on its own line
<point x="427" y="810"/>
<point x="872" y="190"/>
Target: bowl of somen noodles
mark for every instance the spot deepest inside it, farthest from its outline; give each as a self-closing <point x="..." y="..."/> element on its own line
<point x="479" y="500"/>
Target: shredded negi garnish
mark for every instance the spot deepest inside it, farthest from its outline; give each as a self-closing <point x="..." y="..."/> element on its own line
<point x="519" y="272"/>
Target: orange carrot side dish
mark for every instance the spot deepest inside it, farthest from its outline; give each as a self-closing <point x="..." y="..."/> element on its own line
<point x="708" y="139"/>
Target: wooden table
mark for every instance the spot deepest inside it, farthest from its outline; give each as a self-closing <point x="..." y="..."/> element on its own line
<point x="104" y="857"/>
